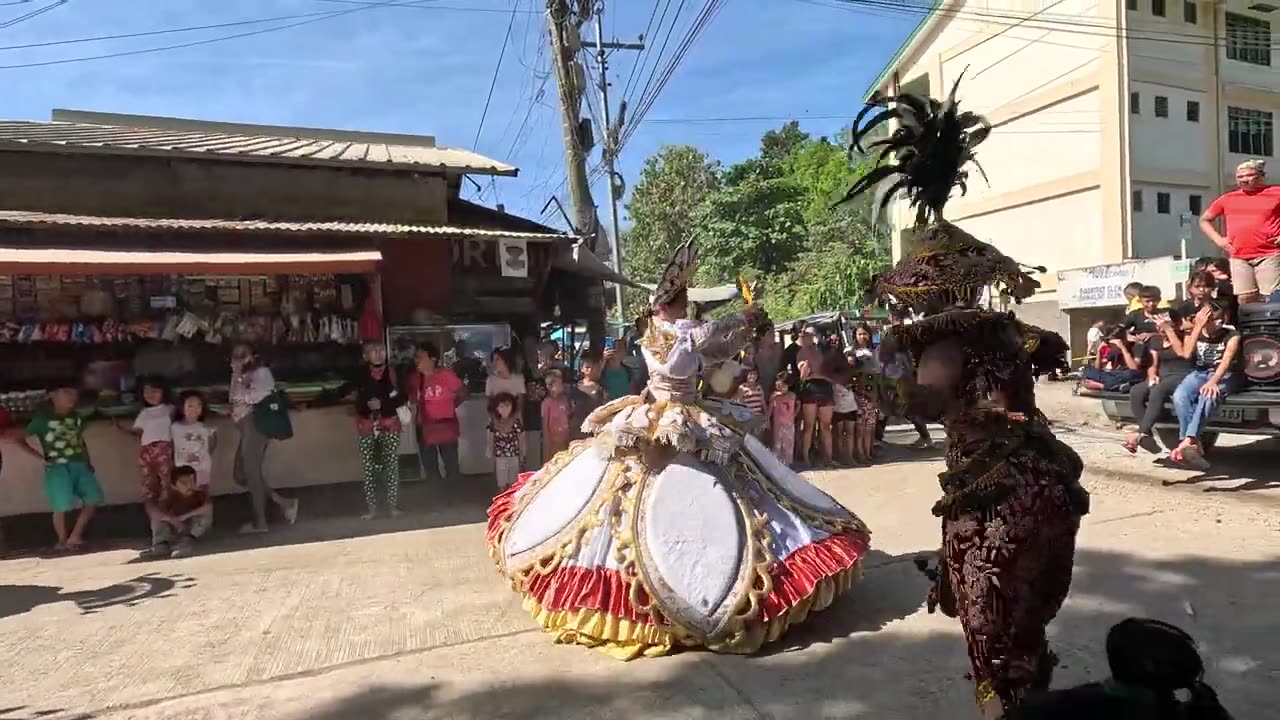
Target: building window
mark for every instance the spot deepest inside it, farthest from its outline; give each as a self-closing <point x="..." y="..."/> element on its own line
<point x="1195" y="204"/>
<point x="1250" y="132"/>
<point x="1137" y="201"/>
<point x="1135" y="103"/>
<point x="1162" y="106"/>
<point x="1248" y="40"/>
<point x="1189" y="12"/>
<point x="1193" y="111"/>
<point x="1162" y="203"/>
<point x="1157" y="8"/>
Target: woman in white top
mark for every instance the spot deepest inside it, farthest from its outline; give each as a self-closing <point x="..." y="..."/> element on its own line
<point x="251" y="383"/>
<point x="503" y="377"/>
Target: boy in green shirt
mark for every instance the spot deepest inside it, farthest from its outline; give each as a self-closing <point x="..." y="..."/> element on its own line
<point x="68" y="474"/>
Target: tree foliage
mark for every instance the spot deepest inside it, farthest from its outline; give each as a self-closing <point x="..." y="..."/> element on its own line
<point x="770" y="218"/>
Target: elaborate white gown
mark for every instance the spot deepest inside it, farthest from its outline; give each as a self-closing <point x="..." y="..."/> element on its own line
<point x="673" y="526"/>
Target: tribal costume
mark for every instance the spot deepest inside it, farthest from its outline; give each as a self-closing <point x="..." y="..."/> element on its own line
<point x="673" y="526"/>
<point x="1012" y="501"/>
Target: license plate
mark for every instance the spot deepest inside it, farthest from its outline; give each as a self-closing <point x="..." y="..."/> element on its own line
<point x="1229" y="415"/>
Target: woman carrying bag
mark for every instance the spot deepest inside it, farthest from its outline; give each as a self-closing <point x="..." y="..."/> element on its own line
<point x="261" y="414"/>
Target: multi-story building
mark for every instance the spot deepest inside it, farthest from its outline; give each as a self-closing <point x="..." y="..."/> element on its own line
<point x="1115" y="124"/>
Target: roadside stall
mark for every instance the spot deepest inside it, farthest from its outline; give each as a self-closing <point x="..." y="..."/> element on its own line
<point x="103" y="318"/>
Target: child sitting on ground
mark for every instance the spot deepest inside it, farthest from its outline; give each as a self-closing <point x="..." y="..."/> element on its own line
<point x="68" y="474"/>
<point x="183" y="514"/>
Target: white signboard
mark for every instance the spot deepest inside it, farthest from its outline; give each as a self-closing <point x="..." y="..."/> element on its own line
<point x="1103" y="285"/>
<point x="513" y="258"/>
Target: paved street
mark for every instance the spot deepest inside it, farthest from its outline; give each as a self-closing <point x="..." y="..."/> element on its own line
<point x="333" y="622"/>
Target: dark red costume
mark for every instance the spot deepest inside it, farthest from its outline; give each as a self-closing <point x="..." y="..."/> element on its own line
<point x="1012" y="501"/>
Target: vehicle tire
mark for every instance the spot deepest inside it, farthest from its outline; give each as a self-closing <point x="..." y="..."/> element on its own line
<point x="1170" y="438"/>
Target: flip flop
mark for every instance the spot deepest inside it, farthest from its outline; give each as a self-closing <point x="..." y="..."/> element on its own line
<point x="1148" y="443"/>
<point x="1130" y="446"/>
<point x="1194" y="457"/>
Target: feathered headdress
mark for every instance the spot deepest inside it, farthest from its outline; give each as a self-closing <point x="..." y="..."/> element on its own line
<point x="677" y="275"/>
<point x="931" y="147"/>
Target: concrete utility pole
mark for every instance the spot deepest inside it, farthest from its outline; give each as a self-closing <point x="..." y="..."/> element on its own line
<point x="609" y="151"/>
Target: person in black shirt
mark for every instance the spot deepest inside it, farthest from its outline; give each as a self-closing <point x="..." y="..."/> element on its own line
<point x="1166" y="368"/>
<point x="1218" y="271"/>
<point x="791" y="354"/>
<point x="1213" y="347"/>
<point x="1143" y="324"/>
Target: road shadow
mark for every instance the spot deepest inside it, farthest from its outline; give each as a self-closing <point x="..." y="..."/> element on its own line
<point x="846" y="667"/>
<point x="1250" y="465"/>
<point x="23" y="712"/>
<point x="21" y="599"/>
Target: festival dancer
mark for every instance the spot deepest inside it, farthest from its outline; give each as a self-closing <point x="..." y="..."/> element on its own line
<point x="674" y="526"/>
<point x="1012" y="501"/>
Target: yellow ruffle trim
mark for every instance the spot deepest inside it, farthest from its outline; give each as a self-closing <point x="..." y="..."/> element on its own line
<point x="624" y="639"/>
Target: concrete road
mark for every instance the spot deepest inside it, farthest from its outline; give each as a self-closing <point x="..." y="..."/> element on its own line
<point x="413" y="622"/>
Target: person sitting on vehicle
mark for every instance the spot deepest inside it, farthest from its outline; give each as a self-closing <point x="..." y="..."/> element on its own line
<point x="1166" y="368"/>
<point x="1213" y="347"/>
<point x="1220" y="288"/>
<point x="1117" y="370"/>
<point x="1133" y="296"/>
<point x="1142" y="324"/>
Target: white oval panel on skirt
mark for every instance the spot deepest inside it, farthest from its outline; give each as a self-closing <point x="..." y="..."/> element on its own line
<point x="694" y="542"/>
<point x="558" y="503"/>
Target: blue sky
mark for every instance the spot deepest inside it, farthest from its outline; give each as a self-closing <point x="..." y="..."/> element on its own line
<point x="428" y="71"/>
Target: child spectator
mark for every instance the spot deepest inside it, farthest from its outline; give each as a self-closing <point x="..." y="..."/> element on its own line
<point x="615" y="378"/>
<point x="506" y="439"/>
<point x="588" y="395"/>
<point x="1214" y="350"/>
<point x="845" y="420"/>
<point x="155" y="451"/>
<point x="782" y="417"/>
<point x="1141" y="324"/>
<point x="68" y="472"/>
<point x="1118" y="367"/>
<point x="557" y="409"/>
<point x="866" y="389"/>
<point x="751" y="394"/>
<point x="183" y="514"/>
<point x="193" y="440"/>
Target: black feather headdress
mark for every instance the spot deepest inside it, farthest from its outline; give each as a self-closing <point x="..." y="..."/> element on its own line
<point x="931" y="147"/>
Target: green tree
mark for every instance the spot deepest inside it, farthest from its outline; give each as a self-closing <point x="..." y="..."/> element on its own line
<point x="665" y="206"/>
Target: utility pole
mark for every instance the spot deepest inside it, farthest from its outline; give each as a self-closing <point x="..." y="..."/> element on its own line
<point x="565" y="32"/>
<point x="609" y="150"/>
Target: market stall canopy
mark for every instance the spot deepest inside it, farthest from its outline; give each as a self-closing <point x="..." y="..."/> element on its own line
<point x="78" y="261"/>
<point x="827" y="318"/>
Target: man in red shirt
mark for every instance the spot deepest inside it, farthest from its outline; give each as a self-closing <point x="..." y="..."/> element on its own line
<point x="1252" y="217"/>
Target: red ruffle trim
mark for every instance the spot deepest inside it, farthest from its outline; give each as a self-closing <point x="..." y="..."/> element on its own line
<point x="604" y="589"/>
<point x="571" y="587"/>
<point x="501" y="506"/>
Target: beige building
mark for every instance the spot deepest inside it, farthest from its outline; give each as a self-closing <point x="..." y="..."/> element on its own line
<point x="1112" y="120"/>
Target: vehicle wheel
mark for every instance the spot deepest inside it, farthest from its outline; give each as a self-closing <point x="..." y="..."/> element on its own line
<point x="1207" y="441"/>
<point x="1169" y="437"/>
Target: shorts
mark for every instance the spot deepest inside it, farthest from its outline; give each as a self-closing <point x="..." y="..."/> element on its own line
<point x="817" y="392"/>
<point x="845" y="417"/>
<point x="1255" y="276"/>
<point x="64" y="483"/>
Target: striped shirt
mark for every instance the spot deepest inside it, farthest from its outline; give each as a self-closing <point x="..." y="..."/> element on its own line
<point x="751" y="395"/>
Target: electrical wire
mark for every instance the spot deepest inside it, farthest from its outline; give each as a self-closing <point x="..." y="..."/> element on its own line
<point x="33" y="14"/>
<point x="149" y="33"/>
<point x="506" y="39"/>
<point x="209" y="41"/>
<point x="643" y="56"/>
<point x="433" y="6"/>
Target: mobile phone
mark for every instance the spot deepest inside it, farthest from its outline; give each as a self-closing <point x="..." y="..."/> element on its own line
<point x="608" y="343"/>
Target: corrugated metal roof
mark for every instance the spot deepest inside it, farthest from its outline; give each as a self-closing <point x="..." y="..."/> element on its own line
<point x="105" y="132"/>
<point x="72" y="260"/>
<point x="25" y="218"/>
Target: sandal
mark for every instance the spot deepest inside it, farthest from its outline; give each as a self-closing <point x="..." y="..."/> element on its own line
<point x="1130" y="445"/>
<point x="1194" y="457"/>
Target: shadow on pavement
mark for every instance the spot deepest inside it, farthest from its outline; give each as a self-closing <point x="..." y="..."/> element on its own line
<point x="1251" y="462"/>
<point x="20" y="599"/>
<point x="912" y="675"/>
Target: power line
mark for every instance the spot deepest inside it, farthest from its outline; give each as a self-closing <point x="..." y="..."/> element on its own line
<point x="127" y="53"/>
<point x="643" y="57"/>
<point x="506" y="38"/>
<point x="34" y="13"/>
<point x="433" y="6"/>
<point x="168" y="31"/>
